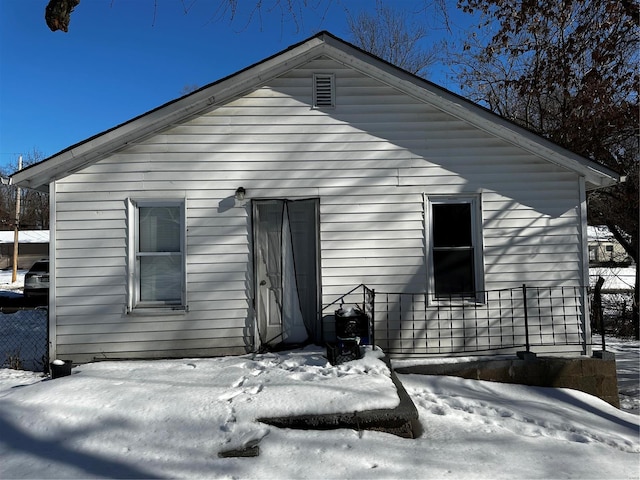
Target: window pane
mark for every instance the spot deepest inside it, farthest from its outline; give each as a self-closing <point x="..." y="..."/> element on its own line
<point x="453" y="271"/>
<point x="452" y="225"/>
<point x="161" y="279"/>
<point x="159" y="229"/>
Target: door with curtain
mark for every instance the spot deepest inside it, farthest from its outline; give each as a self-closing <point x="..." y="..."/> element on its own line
<point x="286" y="265"/>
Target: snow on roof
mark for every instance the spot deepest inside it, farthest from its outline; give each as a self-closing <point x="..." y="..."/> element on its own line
<point x="25" y="236"/>
<point x="615" y="278"/>
<point x="599" y="233"/>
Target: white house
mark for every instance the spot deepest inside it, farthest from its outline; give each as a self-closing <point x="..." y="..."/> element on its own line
<point x="32" y="246"/>
<point x="229" y="219"/>
<point x="604" y="249"/>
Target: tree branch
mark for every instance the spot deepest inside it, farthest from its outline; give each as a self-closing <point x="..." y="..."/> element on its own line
<point x="57" y="14"/>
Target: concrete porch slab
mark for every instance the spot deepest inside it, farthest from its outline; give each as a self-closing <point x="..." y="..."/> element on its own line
<point x="401" y="421"/>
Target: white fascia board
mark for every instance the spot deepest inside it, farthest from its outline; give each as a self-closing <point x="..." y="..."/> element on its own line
<point x="38" y="176"/>
<point x="596" y="175"/>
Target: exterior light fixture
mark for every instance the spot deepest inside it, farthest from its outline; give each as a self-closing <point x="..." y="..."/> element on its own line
<point x="240" y="193"/>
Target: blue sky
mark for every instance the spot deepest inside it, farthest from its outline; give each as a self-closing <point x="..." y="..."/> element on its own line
<point x="122" y="58"/>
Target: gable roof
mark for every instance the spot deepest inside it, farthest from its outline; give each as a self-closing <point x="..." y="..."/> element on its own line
<point x="77" y="156"/>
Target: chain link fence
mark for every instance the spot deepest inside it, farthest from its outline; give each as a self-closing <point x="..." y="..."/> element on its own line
<point x="24" y="338"/>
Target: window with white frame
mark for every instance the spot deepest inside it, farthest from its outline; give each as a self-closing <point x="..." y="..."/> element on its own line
<point x="157" y="258"/>
<point x="455" y="248"/>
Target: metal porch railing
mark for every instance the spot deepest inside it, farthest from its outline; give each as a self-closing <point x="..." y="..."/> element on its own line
<point x="489" y="322"/>
<point x="503" y="320"/>
<point x="361" y="296"/>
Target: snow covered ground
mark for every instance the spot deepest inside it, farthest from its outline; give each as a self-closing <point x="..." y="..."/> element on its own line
<point x="7" y="286"/>
<point x="628" y="369"/>
<point x="615" y="278"/>
<point x="171" y="418"/>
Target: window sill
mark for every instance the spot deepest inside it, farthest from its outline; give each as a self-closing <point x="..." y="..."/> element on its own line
<point x="457" y="301"/>
<point x="446" y="304"/>
<point x="158" y="311"/>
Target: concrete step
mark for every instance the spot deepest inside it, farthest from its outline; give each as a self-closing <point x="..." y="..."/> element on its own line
<point x="401" y="420"/>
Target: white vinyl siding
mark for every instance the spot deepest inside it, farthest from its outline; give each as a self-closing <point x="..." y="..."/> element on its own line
<point x="369" y="160"/>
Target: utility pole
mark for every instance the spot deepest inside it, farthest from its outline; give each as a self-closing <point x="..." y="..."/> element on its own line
<point x="16" y="229"/>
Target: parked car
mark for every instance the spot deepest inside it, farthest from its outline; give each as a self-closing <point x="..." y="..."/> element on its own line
<point x="36" y="280"/>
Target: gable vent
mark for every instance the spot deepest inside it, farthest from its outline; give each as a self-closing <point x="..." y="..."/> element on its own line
<point x="323" y="90"/>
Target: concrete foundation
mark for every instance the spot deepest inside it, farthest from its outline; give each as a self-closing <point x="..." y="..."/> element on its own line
<point x="595" y="376"/>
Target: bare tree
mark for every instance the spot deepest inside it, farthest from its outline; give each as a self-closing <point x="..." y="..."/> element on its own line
<point x="569" y="71"/>
<point x="34" y="205"/>
<point x="58" y="12"/>
<point x="395" y="36"/>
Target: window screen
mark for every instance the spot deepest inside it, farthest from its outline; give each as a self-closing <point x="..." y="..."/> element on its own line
<point x="159" y="254"/>
<point x="453" y="250"/>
